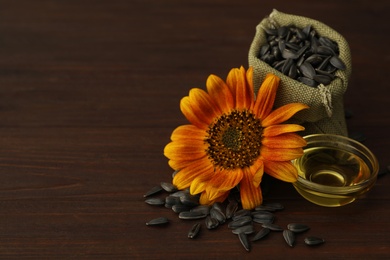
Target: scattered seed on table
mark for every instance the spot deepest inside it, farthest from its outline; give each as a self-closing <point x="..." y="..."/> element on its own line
<point x="239" y="222"/>
<point x="289" y="237"/>
<point x="153" y="191"/>
<point x="158" y="221"/>
<point x="211" y="222"/>
<point x="155" y="201"/>
<point x="191" y="215"/>
<point x="218" y="215"/>
<point x="244" y="241"/>
<point x="247" y="229"/>
<point x="168" y="187"/>
<point x="312" y="241"/>
<point x="231" y="208"/>
<point x="177" y="208"/>
<point x="297" y="228"/>
<point x="261" y="234"/>
<point x="194" y="231"/>
<point x="272" y="227"/>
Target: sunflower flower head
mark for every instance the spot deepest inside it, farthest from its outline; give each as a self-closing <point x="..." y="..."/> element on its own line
<point x="233" y="138"/>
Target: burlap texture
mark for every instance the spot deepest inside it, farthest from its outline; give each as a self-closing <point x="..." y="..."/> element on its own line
<point x="326" y="113"/>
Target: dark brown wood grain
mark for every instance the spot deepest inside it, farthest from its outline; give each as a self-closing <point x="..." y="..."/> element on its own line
<point x="89" y="95"/>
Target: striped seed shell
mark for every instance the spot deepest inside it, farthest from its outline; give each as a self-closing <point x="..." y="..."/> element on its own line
<point x="297" y="227"/>
<point x="155" y="201"/>
<point x="245" y="220"/>
<point x="244" y="241"/>
<point x="247" y="229"/>
<point x="307" y="70"/>
<point x="191" y="215"/>
<point x="204" y="209"/>
<point x="177" y="208"/>
<point x="231" y="208"/>
<point x="214" y="213"/>
<point x="211" y="223"/>
<point x="168" y="187"/>
<point x="153" y="191"/>
<point x="289" y="237"/>
<point x="241" y="213"/>
<point x="194" y="231"/>
<point x="337" y="62"/>
<point x="312" y="241"/>
<point x="158" y="221"/>
<point x="272" y="227"/>
<point x="189" y="200"/>
<point x="261" y="234"/>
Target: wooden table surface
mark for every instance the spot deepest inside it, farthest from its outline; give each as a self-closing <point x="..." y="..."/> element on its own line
<point x="89" y="95"/>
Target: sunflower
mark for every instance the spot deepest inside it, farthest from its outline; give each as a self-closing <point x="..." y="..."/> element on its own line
<point x="234" y="137"/>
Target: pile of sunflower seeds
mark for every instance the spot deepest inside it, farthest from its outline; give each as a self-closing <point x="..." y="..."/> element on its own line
<point x="241" y="222"/>
<point x="302" y="54"/>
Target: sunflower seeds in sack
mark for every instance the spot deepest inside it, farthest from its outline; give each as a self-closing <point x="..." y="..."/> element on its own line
<point x="158" y="221"/>
<point x="289" y="237"/>
<point x="261" y="234"/>
<point x="194" y="231"/>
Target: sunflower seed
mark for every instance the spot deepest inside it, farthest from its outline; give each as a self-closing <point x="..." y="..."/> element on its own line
<point x="337" y="62"/>
<point x="241" y="213"/>
<point x="247" y="229"/>
<point x="158" y="221"/>
<point x="171" y="200"/>
<point x="307" y="70"/>
<point x="214" y="213"/>
<point x="168" y="187"/>
<point x="312" y="241"/>
<point x="263" y="217"/>
<point x="244" y="241"/>
<point x="297" y="228"/>
<point x="220" y="207"/>
<point x="177" y="208"/>
<point x="261" y="234"/>
<point x="325" y="50"/>
<point x="204" y="209"/>
<point x="242" y="221"/>
<point x="153" y="191"/>
<point x="231" y="208"/>
<point x="323" y="79"/>
<point x="189" y="200"/>
<point x="155" y="201"/>
<point x="194" y="231"/>
<point x="270" y="207"/>
<point x="272" y="227"/>
<point x="307" y="81"/>
<point x="289" y="237"/>
<point x="211" y="223"/>
<point x="191" y="215"/>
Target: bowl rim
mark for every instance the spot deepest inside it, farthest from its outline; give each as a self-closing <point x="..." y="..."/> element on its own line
<point x="301" y="182"/>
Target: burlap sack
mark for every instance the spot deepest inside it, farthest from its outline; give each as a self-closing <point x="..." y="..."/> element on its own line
<point x="326" y="113"/>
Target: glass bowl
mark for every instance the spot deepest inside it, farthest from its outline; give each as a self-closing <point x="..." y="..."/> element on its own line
<point x="335" y="170"/>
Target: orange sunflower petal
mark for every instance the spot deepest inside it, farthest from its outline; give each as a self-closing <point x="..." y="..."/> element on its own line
<point x="188" y="132"/>
<point x="288" y="140"/>
<point x="266" y="96"/>
<point x="185" y="149"/>
<point x="185" y="176"/>
<point x="274" y="130"/>
<point x="189" y="113"/>
<point x="258" y="170"/>
<point x="223" y="180"/>
<point x="284" y="171"/>
<point x="220" y="93"/>
<point x="203" y="105"/>
<point x="283" y="113"/>
<point x="250" y="194"/>
<point x="199" y="184"/>
<point x="280" y="154"/>
<point x="204" y="198"/>
<point x="237" y="82"/>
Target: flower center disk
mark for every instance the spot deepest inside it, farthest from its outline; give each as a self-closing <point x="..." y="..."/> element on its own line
<point x="234" y="140"/>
